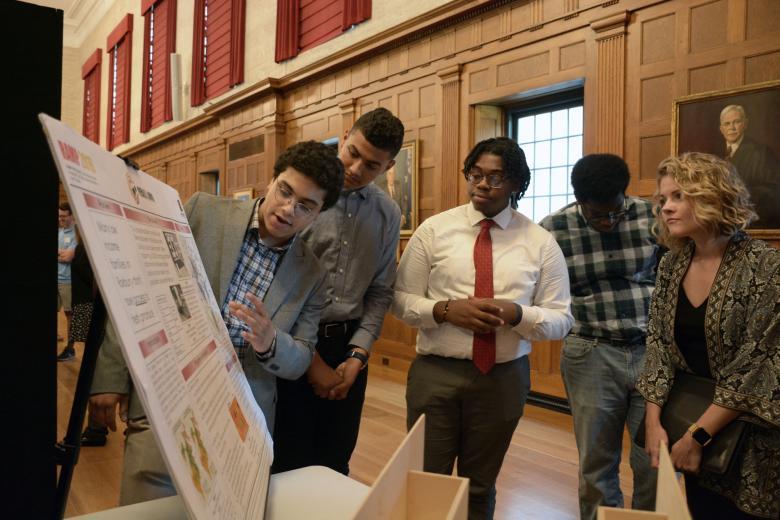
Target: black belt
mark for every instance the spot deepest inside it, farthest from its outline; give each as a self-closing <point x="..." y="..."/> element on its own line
<point x="337" y="329"/>
<point x="620" y="342"/>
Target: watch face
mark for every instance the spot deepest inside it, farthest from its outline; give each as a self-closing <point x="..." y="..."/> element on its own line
<point x="701" y="436"/>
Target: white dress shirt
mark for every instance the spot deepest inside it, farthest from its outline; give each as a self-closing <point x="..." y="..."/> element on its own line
<point x="528" y="269"/>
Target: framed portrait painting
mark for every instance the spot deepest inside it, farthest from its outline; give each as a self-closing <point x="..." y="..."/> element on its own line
<point x="739" y="125"/>
<point x="400" y="183"/>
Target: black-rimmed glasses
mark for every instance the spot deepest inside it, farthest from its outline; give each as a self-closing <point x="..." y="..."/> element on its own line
<point x="611" y="218"/>
<point x="475" y="176"/>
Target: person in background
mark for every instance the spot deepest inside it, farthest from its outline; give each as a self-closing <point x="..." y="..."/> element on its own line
<point x="715" y="312"/>
<point x="66" y="247"/>
<point x="479" y="282"/>
<point x="607" y="239"/>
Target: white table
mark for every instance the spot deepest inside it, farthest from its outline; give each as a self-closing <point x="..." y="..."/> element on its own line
<point x="314" y="492"/>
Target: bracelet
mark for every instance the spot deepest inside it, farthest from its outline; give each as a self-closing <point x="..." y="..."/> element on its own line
<point x="268" y="354"/>
<point x="446" y="310"/>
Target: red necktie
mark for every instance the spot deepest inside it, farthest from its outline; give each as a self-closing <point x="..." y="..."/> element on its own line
<point x="484" y="345"/>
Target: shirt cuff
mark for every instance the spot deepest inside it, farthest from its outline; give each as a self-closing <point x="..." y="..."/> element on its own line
<point x="426" y="313"/>
<point x="527" y="322"/>
<point x="363" y="339"/>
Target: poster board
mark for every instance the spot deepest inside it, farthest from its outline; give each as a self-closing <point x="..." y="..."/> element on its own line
<point x="210" y="430"/>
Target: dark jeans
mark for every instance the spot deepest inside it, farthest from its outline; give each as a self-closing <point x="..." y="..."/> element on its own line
<point x="314" y="431"/>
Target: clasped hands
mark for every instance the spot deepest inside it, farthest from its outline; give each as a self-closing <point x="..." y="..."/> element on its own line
<point x="480" y="315"/>
<point x="334" y="384"/>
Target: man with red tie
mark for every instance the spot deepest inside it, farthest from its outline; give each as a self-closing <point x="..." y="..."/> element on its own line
<point x="480" y="282"/>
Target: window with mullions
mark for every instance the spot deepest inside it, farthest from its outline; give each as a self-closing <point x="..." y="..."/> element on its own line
<point x="550" y="134"/>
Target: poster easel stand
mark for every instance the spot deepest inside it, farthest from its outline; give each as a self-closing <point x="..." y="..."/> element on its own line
<point x="67" y="451"/>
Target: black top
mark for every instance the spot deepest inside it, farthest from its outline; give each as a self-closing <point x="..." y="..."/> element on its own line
<point x="81" y="278"/>
<point x="689" y="334"/>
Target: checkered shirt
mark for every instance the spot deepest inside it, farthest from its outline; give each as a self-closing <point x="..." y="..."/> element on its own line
<point x="612" y="275"/>
<point x="253" y="274"/>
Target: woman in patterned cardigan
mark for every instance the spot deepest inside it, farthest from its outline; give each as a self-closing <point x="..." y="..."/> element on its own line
<point x="715" y="312"/>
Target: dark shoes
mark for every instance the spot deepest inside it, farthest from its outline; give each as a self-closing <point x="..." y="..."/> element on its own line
<point x="94" y="436"/>
<point x="68" y="354"/>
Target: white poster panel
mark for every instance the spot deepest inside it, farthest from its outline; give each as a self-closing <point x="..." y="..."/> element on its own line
<point x="210" y="429"/>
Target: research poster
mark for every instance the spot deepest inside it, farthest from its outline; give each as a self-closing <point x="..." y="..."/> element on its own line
<point x="211" y="431"/>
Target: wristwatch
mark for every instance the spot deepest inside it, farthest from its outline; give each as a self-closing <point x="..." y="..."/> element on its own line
<point x="359" y="356"/>
<point x="700" y="435"/>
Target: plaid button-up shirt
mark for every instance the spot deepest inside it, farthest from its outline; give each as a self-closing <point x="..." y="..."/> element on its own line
<point x="612" y="275"/>
<point x="253" y="274"/>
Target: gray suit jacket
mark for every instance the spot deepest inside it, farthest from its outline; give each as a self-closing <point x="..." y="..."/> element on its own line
<point x="295" y="300"/>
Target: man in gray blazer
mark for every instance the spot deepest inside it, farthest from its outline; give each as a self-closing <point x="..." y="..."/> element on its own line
<point x="270" y="285"/>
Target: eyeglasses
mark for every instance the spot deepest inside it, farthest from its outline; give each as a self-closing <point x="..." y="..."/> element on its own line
<point x="612" y="218"/>
<point x="285" y="195"/>
<point x="475" y="176"/>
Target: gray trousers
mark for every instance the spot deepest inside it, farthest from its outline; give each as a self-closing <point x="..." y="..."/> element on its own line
<point x="144" y="474"/>
<point x="469" y="416"/>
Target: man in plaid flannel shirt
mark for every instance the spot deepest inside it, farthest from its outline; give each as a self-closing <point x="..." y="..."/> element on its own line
<point x="610" y="254"/>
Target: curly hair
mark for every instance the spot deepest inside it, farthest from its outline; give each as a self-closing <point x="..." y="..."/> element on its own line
<point x="512" y="160"/>
<point x="599" y="177"/>
<point x="719" y="199"/>
<point x="382" y="129"/>
<point x="318" y="162"/>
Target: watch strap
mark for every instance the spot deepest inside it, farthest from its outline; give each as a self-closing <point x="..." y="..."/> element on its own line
<point x="359" y="356"/>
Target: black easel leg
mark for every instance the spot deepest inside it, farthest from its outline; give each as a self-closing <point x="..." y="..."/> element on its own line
<point x="67" y="451"/>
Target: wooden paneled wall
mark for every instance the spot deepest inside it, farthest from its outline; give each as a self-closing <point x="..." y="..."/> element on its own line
<point x="448" y="84"/>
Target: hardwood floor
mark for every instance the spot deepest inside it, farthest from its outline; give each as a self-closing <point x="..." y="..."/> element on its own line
<point x="538" y="478"/>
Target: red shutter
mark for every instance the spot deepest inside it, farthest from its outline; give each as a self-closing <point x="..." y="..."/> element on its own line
<point x="223" y="32"/>
<point x="197" y="94"/>
<point x="156" y="106"/>
<point x="146" y="95"/>
<point x="120" y="40"/>
<point x="355" y="11"/>
<point x="320" y="21"/>
<point x="237" y="36"/>
<point x="218" y="47"/>
<point x="90" y="73"/>
<point x="287" y="29"/>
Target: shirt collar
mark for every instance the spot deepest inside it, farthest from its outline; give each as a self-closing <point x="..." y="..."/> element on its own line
<point x="359" y="191"/>
<point x="502" y="219"/>
<point x="254" y="223"/>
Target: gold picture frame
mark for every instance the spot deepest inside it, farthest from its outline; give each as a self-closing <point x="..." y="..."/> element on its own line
<point x="400" y="183"/>
<point x="247" y="194"/>
<point x="696" y="126"/>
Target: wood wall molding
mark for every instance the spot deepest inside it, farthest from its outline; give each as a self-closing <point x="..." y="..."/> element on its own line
<point x="275" y="136"/>
<point x="611" y="82"/>
<point x="449" y="116"/>
<point x="347" y="108"/>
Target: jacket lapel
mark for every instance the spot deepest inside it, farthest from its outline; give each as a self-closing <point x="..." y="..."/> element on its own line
<point x="236" y="222"/>
<point x="284" y="278"/>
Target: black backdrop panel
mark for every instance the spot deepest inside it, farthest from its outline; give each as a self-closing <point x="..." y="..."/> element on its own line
<point x="31" y="39"/>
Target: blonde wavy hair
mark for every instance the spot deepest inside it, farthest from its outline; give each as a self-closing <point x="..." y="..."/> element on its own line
<point x="719" y="199"/>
